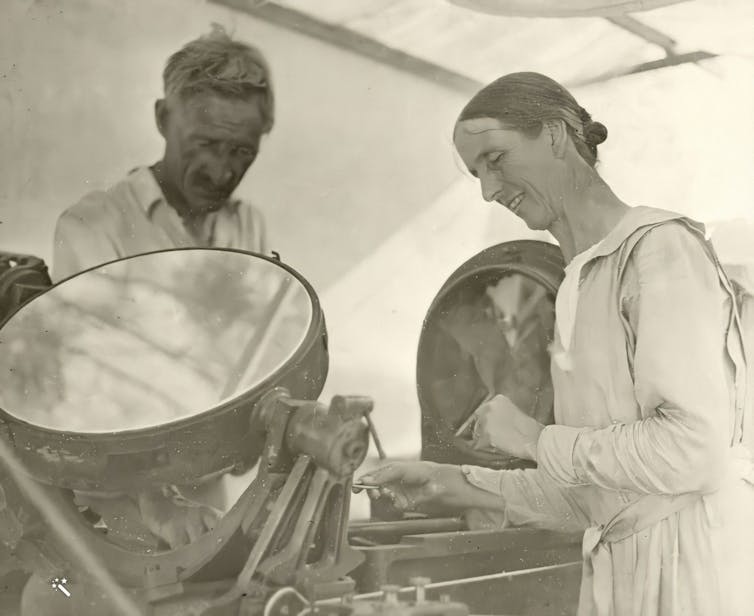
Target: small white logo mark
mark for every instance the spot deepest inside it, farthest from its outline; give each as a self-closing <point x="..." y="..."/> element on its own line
<point x="59" y="584"/>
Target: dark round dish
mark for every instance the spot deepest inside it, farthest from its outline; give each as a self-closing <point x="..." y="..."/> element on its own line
<point x="487" y="332"/>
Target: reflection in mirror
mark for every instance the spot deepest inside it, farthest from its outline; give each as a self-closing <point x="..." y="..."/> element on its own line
<point x="149" y="340"/>
<point x="501" y="331"/>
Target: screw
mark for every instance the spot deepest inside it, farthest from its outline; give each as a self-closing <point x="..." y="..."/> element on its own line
<point x="420" y="583"/>
<point x="390" y="593"/>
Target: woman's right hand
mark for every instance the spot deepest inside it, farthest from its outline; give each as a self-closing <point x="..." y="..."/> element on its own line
<point x="413" y="486"/>
<point x="502" y="426"/>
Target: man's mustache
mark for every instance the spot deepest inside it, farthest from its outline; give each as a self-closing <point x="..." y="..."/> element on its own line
<point x="205" y="184"/>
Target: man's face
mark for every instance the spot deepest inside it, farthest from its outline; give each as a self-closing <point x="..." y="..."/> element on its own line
<point x="210" y="143"/>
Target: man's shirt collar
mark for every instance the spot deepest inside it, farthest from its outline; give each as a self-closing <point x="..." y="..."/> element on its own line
<point x="149" y="194"/>
<point x="146" y="189"/>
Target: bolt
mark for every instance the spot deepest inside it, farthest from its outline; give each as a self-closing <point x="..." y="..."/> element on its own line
<point x="420" y="583"/>
<point x="353" y="450"/>
<point x="390" y="593"/>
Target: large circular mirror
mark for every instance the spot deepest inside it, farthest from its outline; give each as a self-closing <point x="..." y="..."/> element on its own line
<point x="151" y="364"/>
<point x="488" y="332"/>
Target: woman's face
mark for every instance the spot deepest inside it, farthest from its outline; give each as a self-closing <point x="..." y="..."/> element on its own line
<point x="513" y="169"/>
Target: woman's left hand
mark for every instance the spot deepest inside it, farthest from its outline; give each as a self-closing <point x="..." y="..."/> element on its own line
<point x="502" y="425"/>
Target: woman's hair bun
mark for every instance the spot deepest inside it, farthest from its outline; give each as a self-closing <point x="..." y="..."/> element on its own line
<point x="595" y="133"/>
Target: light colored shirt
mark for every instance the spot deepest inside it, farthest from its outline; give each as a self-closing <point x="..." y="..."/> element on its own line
<point x="647" y="416"/>
<point x="567" y="299"/>
<point x="133" y="217"/>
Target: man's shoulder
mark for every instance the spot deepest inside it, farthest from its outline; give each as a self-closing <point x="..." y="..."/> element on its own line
<point x="249" y="215"/>
<point x="247" y="209"/>
<point x="100" y="206"/>
<point x="92" y="207"/>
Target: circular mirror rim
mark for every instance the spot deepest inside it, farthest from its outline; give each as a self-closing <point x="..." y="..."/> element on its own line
<point x="308" y="340"/>
<point x="537" y="260"/>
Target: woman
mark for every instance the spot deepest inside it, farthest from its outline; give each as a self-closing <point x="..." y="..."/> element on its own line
<point x="646" y="453"/>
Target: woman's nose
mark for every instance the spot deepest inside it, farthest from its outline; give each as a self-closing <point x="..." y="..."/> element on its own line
<point x="491" y="186"/>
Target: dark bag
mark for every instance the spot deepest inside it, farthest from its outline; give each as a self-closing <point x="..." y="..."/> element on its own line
<point x="21" y="278"/>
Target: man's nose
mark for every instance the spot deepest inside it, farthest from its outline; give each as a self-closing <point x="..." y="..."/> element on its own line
<point x="221" y="170"/>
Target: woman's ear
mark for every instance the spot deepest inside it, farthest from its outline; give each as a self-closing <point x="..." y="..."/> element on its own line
<point x="161" y="115"/>
<point x="558" y="135"/>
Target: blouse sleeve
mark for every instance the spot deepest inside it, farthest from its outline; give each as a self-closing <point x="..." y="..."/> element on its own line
<point x="680" y="381"/>
<point x="532" y="499"/>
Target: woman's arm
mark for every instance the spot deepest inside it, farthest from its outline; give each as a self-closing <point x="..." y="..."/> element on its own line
<point x="681" y="386"/>
<point x="417" y="485"/>
<point x="532" y="499"/>
<point x="526" y="497"/>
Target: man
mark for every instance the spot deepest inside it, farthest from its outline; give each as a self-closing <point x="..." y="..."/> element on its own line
<point x="218" y="105"/>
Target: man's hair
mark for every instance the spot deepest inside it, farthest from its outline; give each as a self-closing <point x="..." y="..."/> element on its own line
<point x="217" y="64"/>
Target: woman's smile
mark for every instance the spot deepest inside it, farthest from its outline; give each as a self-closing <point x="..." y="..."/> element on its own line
<point x="515" y="203"/>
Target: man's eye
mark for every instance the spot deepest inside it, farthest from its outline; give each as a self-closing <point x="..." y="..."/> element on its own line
<point x="245" y="152"/>
<point x="203" y="143"/>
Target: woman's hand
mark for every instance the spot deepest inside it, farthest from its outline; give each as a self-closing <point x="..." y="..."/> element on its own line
<point x="502" y="425"/>
<point x="419" y="485"/>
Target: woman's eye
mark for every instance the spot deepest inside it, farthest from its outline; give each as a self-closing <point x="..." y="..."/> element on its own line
<point x="496" y="159"/>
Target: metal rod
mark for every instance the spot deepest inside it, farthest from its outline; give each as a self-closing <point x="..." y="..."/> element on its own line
<point x="67" y="533"/>
<point x="373" y="432"/>
<point x="496" y="576"/>
<point x="642" y="30"/>
<point x="675" y="60"/>
<point x="460" y="581"/>
<point x="408" y="527"/>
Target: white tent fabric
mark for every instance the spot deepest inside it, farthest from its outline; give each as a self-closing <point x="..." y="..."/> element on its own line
<point x="571" y="50"/>
<point x="680" y="138"/>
